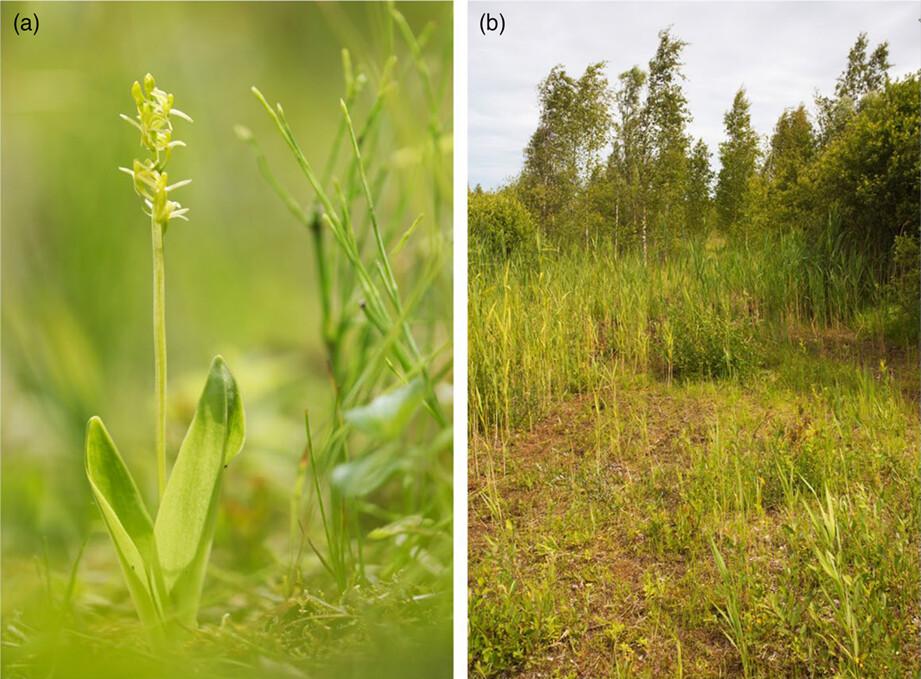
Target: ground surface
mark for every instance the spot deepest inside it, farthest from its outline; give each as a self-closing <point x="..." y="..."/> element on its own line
<point x="590" y="533"/>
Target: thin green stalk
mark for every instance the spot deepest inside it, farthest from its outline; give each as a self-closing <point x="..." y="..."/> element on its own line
<point x="314" y="226"/>
<point x="389" y="279"/>
<point x="425" y="75"/>
<point x="159" y="328"/>
<point x="319" y="250"/>
<point x="353" y="86"/>
<point x="374" y="307"/>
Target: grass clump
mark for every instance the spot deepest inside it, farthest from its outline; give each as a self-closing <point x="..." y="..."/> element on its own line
<point x="554" y="323"/>
<point x="692" y="341"/>
<point x="379" y="397"/>
<point x="510" y="619"/>
<point x="375" y="467"/>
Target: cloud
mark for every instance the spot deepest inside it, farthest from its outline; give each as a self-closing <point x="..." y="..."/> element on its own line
<point x="781" y="52"/>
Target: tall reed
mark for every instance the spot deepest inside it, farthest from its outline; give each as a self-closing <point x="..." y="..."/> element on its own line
<point x="549" y="324"/>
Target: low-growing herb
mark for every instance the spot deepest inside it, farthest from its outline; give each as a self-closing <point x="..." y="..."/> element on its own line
<point x="164" y="559"/>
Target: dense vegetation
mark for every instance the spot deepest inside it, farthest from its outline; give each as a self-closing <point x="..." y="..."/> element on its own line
<point x="844" y="177"/>
<point x="693" y="394"/>
<point x="332" y="530"/>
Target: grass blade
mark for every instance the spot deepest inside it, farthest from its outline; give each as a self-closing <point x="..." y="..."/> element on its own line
<point x="386" y="416"/>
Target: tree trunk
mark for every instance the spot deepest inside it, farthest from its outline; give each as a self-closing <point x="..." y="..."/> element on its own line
<point x="645" y="247"/>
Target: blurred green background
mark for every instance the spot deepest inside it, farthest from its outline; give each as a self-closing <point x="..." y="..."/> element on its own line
<point x="76" y="291"/>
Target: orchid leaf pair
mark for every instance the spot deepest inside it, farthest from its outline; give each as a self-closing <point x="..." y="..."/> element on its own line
<point x="164" y="560"/>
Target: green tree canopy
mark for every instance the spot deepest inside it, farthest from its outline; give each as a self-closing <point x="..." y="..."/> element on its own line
<point x="790" y="154"/>
<point x="870" y="175"/>
<point x="699" y="187"/>
<point x="862" y="75"/>
<point x="738" y="159"/>
<point x="667" y="117"/>
<point x="575" y="125"/>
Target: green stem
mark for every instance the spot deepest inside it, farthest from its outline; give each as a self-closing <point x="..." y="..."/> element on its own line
<point x="319" y="250"/>
<point x="159" y="327"/>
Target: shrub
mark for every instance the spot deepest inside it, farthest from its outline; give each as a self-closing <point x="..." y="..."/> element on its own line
<point x="701" y="342"/>
<point x="498" y="222"/>
<point x="869" y="174"/>
<point x="903" y="285"/>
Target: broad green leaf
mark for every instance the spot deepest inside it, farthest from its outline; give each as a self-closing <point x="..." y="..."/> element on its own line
<point x="236" y="433"/>
<point x="360" y="477"/>
<point x="387" y="415"/>
<point x="414" y="523"/>
<point x="128" y="523"/>
<point x="185" y="522"/>
<point x="365" y="474"/>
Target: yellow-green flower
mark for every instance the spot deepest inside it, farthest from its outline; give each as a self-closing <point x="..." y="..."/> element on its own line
<point x="154" y="109"/>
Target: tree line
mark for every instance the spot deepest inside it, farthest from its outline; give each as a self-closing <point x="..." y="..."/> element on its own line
<point x="617" y="161"/>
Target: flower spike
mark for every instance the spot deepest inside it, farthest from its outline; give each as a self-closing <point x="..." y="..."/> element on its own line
<point x="154" y="108"/>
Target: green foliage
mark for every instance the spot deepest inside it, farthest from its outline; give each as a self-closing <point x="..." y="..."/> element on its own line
<point x="649" y="177"/>
<point x="576" y="114"/>
<point x="388" y="414"/>
<point x="184" y="528"/>
<point x="697" y="341"/>
<point x="903" y="286"/>
<point x="128" y="523"/>
<point x="786" y="172"/>
<point x="666" y="115"/>
<point x="380" y="474"/>
<point x="498" y="222"/>
<point x="699" y="187"/>
<point x="731" y="611"/>
<point x="574" y="127"/>
<point x="626" y="173"/>
<point x="859" y="168"/>
<point x="164" y="563"/>
<point x="738" y="158"/>
<point x="550" y="326"/>
<point x="862" y="75"/>
<point x="510" y="620"/>
<point x="870" y="172"/>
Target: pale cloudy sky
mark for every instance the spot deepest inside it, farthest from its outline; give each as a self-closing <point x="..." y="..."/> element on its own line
<point x="780" y="51"/>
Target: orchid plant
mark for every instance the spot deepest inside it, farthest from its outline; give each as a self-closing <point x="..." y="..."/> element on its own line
<point x="164" y="559"/>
